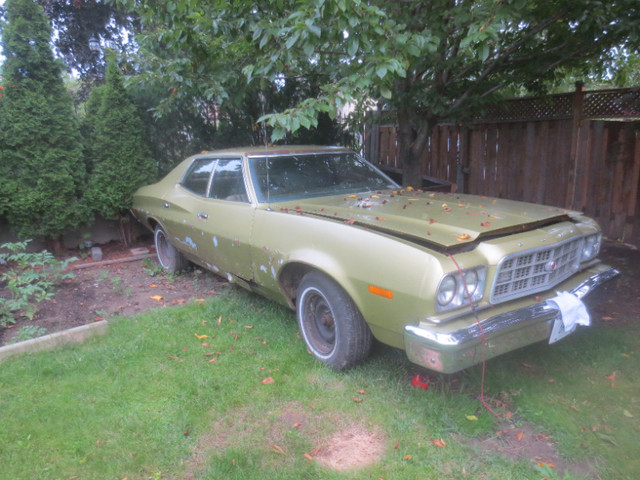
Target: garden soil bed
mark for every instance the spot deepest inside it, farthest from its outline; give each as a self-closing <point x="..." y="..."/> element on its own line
<point x="120" y="284"/>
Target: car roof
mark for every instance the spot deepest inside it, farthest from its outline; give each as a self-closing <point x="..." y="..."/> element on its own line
<point x="275" y="150"/>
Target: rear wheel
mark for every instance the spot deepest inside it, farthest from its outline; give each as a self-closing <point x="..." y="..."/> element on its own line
<point x="169" y="257"/>
<point x="331" y="324"/>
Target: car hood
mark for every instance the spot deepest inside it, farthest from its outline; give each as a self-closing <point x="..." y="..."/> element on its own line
<point x="439" y="219"/>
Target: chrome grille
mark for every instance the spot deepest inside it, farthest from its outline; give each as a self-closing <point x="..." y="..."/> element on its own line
<point x="535" y="270"/>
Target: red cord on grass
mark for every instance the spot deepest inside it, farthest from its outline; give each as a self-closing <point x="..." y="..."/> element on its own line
<point x="484" y="363"/>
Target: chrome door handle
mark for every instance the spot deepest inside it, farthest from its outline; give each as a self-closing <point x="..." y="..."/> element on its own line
<point x="203" y="216"/>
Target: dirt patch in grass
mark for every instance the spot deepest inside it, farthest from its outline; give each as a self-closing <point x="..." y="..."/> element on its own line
<point x="522" y="442"/>
<point x="351" y="448"/>
<point x="281" y="435"/>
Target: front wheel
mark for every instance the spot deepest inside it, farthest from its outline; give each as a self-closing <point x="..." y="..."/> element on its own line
<point x="169" y="257"/>
<point x="331" y="324"/>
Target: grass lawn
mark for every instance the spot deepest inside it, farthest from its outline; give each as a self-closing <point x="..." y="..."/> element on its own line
<point x="156" y="399"/>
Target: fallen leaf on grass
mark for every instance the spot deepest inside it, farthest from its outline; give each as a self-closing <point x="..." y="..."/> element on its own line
<point x="199" y="300"/>
<point x="627" y="413"/>
<point x="200" y="337"/>
<point x="277" y="449"/>
<point x="439" y="443"/>
<point x="268" y="380"/>
<point x="472" y="418"/>
<point x="357" y="400"/>
<point x="308" y="457"/>
<point x="361" y="392"/>
<point x="612" y="379"/>
<point x="519" y="436"/>
<point x="407" y="457"/>
<point x="297" y="424"/>
<point x="213" y="360"/>
<point x="157" y="298"/>
<point x="607" y="319"/>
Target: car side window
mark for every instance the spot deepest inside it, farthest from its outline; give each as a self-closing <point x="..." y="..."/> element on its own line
<point x="197" y="177"/>
<point x="228" y="183"/>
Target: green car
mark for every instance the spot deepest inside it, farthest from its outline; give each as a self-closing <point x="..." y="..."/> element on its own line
<point x="449" y="278"/>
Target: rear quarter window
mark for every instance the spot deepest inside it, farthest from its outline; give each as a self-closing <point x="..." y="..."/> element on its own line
<point x="197" y="177"/>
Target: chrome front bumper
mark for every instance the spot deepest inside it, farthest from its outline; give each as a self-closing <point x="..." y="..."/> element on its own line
<point x="451" y="351"/>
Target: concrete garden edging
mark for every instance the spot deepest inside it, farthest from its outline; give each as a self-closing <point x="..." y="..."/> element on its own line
<point x="55" y="340"/>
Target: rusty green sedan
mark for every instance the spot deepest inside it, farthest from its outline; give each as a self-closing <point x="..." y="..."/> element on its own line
<point x="451" y="279"/>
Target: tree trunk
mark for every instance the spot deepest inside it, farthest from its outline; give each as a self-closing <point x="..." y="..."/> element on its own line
<point x="126" y="229"/>
<point x="55" y="245"/>
<point x="412" y="141"/>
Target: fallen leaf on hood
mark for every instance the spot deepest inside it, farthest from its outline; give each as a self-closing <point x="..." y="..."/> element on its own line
<point x="351" y="221"/>
<point x="463" y="237"/>
<point x="485" y="224"/>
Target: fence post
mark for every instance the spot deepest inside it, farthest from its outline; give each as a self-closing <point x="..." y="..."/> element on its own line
<point x="577" y="115"/>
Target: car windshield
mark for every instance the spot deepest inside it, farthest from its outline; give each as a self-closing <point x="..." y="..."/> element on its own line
<point x="291" y="177"/>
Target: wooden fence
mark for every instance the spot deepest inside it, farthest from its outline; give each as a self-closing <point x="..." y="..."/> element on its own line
<point x="579" y="151"/>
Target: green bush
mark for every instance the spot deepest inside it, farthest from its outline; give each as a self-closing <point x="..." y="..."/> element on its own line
<point x="30" y="278"/>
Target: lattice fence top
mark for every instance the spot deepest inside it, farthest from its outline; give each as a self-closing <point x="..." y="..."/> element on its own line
<point x="604" y="104"/>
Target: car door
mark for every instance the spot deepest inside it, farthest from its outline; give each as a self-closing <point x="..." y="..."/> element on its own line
<point x="225" y="219"/>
